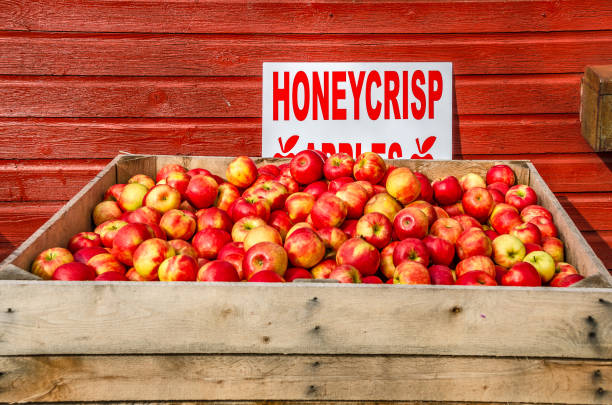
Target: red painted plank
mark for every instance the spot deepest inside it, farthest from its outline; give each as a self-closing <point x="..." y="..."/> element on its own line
<point x="104" y="138"/>
<point x="601" y="242"/>
<point x="589" y="211"/>
<point x="340" y="16"/>
<point x="239" y="55"/>
<point x="19" y="220"/>
<point x="579" y="172"/>
<point x="57" y="96"/>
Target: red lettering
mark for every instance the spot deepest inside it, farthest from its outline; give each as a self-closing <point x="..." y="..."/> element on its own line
<point x="379" y="148"/>
<point x="435" y="77"/>
<point x="418" y="92"/>
<point x="391" y="94"/>
<point x="357" y="149"/>
<point x="320" y="96"/>
<point x="301" y="113"/>
<point x="373" y="112"/>
<point x="328" y="148"/>
<point x="279" y="95"/>
<point x="356" y="89"/>
<point x="338" y="94"/>
<point x="310" y="146"/>
<point x="345" y="148"/>
<point x="405" y="95"/>
<point x="395" y="151"/>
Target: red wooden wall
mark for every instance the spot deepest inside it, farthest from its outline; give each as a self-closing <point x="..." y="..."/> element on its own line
<point x="81" y="81"/>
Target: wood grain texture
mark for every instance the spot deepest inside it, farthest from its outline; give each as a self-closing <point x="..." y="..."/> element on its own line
<point x="305" y="16"/>
<point x="136" y="317"/>
<point x="44" y="96"/>
<point x="185" y="377"/>
<point x="105" y="138"/>
<point x="239" y="55"/>
<point x="589" y="211"/>
<point x="20" y="220"/>
<point x="601" y="242"/>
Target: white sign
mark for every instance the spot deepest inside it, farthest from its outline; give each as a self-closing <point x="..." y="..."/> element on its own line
<point x="398" y="110"/>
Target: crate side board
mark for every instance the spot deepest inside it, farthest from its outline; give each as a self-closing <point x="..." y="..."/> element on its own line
<point x="282" y="377"/>
<point x="134" y="318"/>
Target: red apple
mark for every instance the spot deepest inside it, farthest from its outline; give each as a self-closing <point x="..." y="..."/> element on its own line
<point x="266" y="276"/>
<point x="297" y="226"/>
<point x="566" y="280"/>
<point x="349" y="227"/>
<point x="249" y="207"/>
<point x="290" y="184"/>
<point x="235" y="259"/>
<point x="475" y="263"/>
<point x="178" y="181"/>
<point x="105" y="262"/>
<point x="473" y="242"/>
<point x="440" y="250"/>
<point x="113" y="192"/>
<point x="476" y="278"/>
<point x="497" y="196"/>
<point x="427" y="209"/>
<point x="467" y="222"/>
<point x="231" y="248"/>
<point x="360" y="254"/>
<point x="369" y="166"/>
<point x="213" y="217"/>
<point x="527" y="233"/>
<point x="533" y="211"/>
<point x="167" y="169"/>
<point x="338" y="165"/>
<point x="531" y="247"/>
<point x="45" y="264"/>
<point x="324" y="269"/>
<point x="355" y="197"/>
<point x="182" y="247"/>
<point x="447" y="191"/>
<point x="410" y="222"/>
<point x="270" y="169"/>
<point x="106" y="211"/>
<point x="554" y="247"/>
<point x="202" y="191"/>
<point x="410" y="272"/>
<point x="178" y="268"/>
<point x="501" y="173"/>
<point x="411" y="249"/>
<point x="441" y="275"/>
<point x="521" y="196"/>
<point x="111" y="276"/>
<point x="132" y="196"/>
<point x="504" y="221"/>
<point x="241" y="172"/>
<point x="328" y="210"/>
<point x="491" y="234"/>
<point x="74" y="271"/>
<point x="446" y="228"/>
<point x="562" y="267"/>
<point x="371" y="280"/>
<point x="345" y="273"/>
<point x="376" y="229"/>
<point x="306" y="167"/>
<point x="226" y="195"/>
<point x="440" y="213"/>
<point x="478" y="203"/>
<point x="178" y="225"/>
<point x="383" y="203"/>
<point x="272" y="191"/>
<point x="387" y="267"/>
<point x="218" y="270"/>
<point x="501" y="188"/>
<point x="522" y="274"/>
<point x="209" y="242"/>
<point x="143" y="215"/>
<point x="426" y="188"/>
<point x="150" y="254"/>
<point x="296" y="273"/>
<point x="317" y="188"/>
<point x="304" y="248"/>
<point x="336" y="184"/>
<point x="127" y="240"/>
<point x="546" y="226"/>
<point x="263" y="233"/>
<point x="403" y="185"/>
<point x="143" y="179"/>
<point x="83" y="255"/>
<point x="264" y="256"/>
<point x="508" y="250"/>
<point x="299" y="205"/>
<point x="280" y="221"/>
<point x="499" y="273"/>
<point x="84" y="240"/>
<point x="470" y="181"/>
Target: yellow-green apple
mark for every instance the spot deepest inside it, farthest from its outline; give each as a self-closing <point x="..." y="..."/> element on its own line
<point x="83" y="240"/>
<point x="113" y="192"/>
<point x="533" y="211"/>
<point x="467" y="222"/>
<point x="497" y="196"/>
<point x="371" y="280"/>
<point x="231" y="248"/>
<point x="383" y="203"/>
<point x="241" y="172"/>
<point x="522" y="274"/>
<point x="409" y="272"/>
<point x="324" y="269"/>
<point x="235" y="259"/>
<point x="296" y="273"/>
<point x="349" y="227"/>
<point x="105" y="262"/>
<point x="150" y="254"/>
<point x="376" y="229"/>
<point x="411" y="249"/>
<point x="266" y="276"/>
<point x="328" y="210"/>
<point x="336" y="184"/>
<point x="427" y="209"/>
<point x="360" y="254"/>
<point x="106" y="211"/>
<point x="508" y="250"/>
<point x="387" y="267"/>
<point x="532" y="247"/>
<point x="45" y="264"/>
<point x="521" y="196"/>
<point x="182" y="247"/>
<point x="410" y="222"/>
<point x="304" y="248"/>
<point x="143" y="215"/>
<point x="503" y="221"/>
<point x="299" y="205"/>
<point x="478" y="203"/>
<point x="83" y="255"/>
<point x="74" y="271"/>
<point x="440" y="250"/>
<point x="476" y="278"/>
<point x="454" y="209"/>
<point x="446" y="228"/>
<point x="226" y="195"/>
<point x="338" y="165"/>
<point x="527" y="233"/>
<point x="306" y="167"/>
<point x="209" y="242"/>
<point x="333" y="238"/>
<point x="501" y="188"/>
<point x="178" y="225"/>
<point x="265" y="256"/>
<point x="500" y="173"/>
<point x="280" y="221"/>
<point x="127" y="240"/>
<point x="403" y="185"/>
<point x="202" y="191"/>
<point x="543" y="263"/>
<point x="566" y="280"/>
<point x="132" y="196"/>
<point x="440" y="213"/>
<point x="474" y="263"/>
<point x="111" y="276"/>
<point x="249" y="207"/>
<point x="426" y="188"/>
<point x="369" y="166"/>
<point x="345" y="273"/>
<point x="290" y="184"/>
<point x="355" y="197"/>
<point x="143" y="179"/>
<point x="178" y="268"/>
<point x="263" y="233"/>
<point x="272" y="191"/>
<point x="441" y="275"/>
<point x="179" y="181"/>
<point x="546" y="226"/>
<point x="167" y="169"/>
<point x="472" y="180"/>
<point x="473" y="242"/>
<point x="218" y="270"/>
<point x="213" y="217"/>
<point x="243" y="226"/>
<point x="554" y="247"/>
<point x="317" y="188"/>
<point x="447" y="191"/>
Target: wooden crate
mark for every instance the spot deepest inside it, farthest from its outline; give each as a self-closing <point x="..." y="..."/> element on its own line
<point x="241" y="342"/>
<point x="596" y="107"/>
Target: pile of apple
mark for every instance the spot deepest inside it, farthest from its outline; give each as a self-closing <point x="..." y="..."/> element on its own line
<point x="317" y="217"/>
